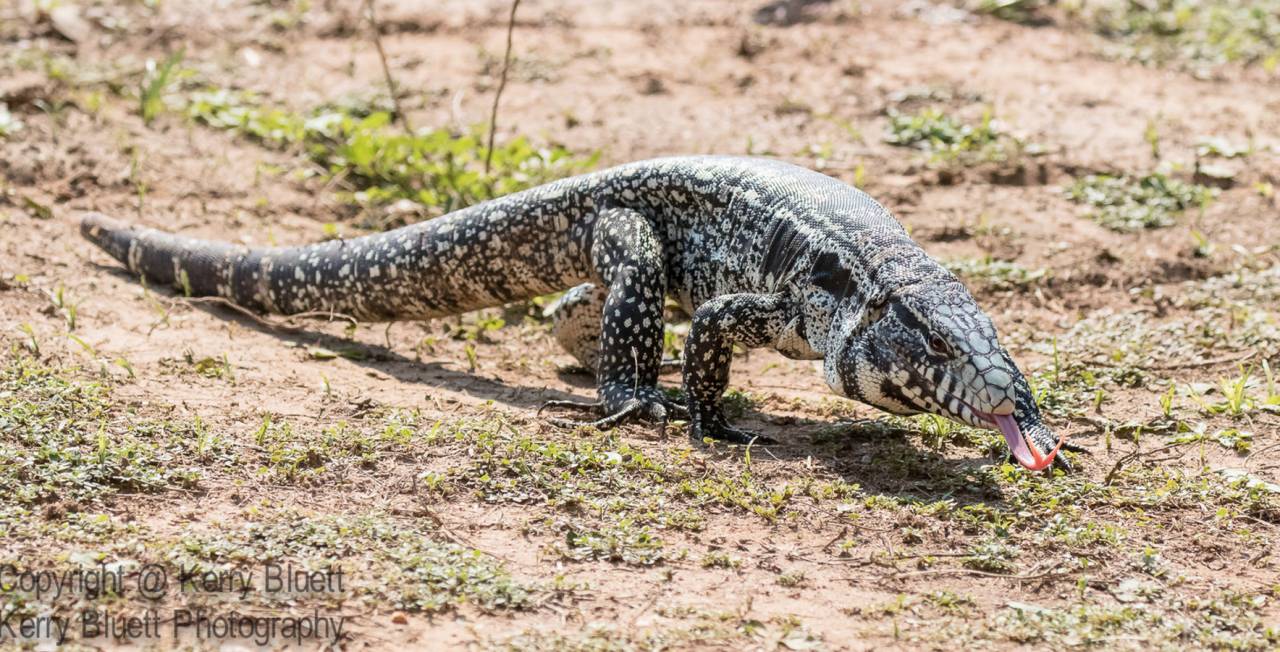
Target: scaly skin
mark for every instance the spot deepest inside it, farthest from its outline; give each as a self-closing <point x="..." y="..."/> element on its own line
<point x="761" y="253"/>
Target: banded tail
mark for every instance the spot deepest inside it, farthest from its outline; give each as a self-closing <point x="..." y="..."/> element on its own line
<point x="476" y="258"/>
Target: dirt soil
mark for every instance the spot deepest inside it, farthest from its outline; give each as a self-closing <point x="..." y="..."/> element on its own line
<point x="863" y="535"/>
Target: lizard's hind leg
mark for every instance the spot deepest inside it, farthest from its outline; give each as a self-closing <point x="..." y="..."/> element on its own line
<point x="576" y="322"/>
<point x="628" y="256"/>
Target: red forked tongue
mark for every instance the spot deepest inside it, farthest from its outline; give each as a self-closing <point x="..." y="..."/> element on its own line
<point x="1027" y="455"/>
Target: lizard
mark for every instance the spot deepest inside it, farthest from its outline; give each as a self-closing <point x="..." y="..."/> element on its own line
<point x="760" y="252"/>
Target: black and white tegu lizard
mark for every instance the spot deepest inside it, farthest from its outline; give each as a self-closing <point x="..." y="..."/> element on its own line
<point x="760" y="252"/>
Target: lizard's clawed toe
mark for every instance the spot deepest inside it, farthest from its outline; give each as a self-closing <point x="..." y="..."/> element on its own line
<point x="1060" y="462"/>
<point x="674" y="408"/>
<point x="650" y="407"/>
<point x="593" y="406"/>
<point x="719" y="430"/>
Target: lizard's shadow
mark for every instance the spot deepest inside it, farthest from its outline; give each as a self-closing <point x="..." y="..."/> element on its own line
<point x="880" y="457"/>
<point x="873" y="454"/>
<point x="386" y="360"/>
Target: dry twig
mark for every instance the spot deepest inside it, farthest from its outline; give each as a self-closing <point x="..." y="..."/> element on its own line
<point x="276" y="324"/>
<point x="502" y="83"/>
<point x="386" y="68"/>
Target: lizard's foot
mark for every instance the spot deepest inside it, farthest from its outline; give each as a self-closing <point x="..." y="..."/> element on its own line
<point x="649" y="405"/>
<point x="715" y="426"/>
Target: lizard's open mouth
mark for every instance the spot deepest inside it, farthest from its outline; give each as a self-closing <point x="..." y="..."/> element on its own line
<point x="1025" y="451"/>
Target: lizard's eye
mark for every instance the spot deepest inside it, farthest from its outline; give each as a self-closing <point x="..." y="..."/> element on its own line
<point x="939" y="345"/>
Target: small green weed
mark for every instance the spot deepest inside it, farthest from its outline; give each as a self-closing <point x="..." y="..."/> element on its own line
<point x="1239" y="395"/>
<point x="210" y="367"/>
<point x="1222" y="148"/>
<point x="793" y="580"/>
<point x="294" y="457"/>
<point x="718" y="559"/>
<point x="155" y="83"/>
<point x="65" y="304"/>
<point x="997" y="275"/>
<point x="63" y="439"/>
<point x="404" y="565"/>
<point x="992" y="556"/>
<point x="1203" y="32"/>
<point x="949" y="140"/>
<point x="440" y="170"/>
<point x="1018" y="11"/>
<point x="623" y="542"/>
<point x="1149" y="202"/>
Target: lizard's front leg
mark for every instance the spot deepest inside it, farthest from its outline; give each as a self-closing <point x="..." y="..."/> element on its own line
<point x="628" y="256"/>
<point x="751" y="320"/>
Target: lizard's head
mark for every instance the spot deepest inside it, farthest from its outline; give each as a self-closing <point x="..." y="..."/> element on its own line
<point x="929" y="348"/>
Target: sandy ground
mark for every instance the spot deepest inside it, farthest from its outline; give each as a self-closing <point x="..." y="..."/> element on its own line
<point x="635" y="80"/>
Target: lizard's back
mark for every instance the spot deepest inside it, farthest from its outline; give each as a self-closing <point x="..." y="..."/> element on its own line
<point x="728" y="224"/>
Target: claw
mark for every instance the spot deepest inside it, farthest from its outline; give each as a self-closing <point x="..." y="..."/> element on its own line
<point x="605" y="423"/>
<point x="734" y="436"/>
<point x="722" y="432"/>
<point x="1061" y="462"/>
<point x="650" y="409"/>
<point x="594" y="406"/>
<point x="677" y="409"/>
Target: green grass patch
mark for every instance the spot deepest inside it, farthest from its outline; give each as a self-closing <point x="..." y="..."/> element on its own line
<point x="1198" y="34"/>
<point x="998" y="275"/>
<point x="64" y="439"/>
<point x="403" y="565"/>
<point x="621" y="542"/>
<point x="1133" y="204"/>
<point x="1222" y="315"/>
<point x="1205" y="32"/>
<point x="610" y="500"/>
<point x="291" y="454"/>
<point x="305" y="457"/>
<point x="438" y="169"/>
<point x="1227" y="621"/>
<point x="1135" y="614"/>
<point x="938" y="432"/>
<point x="949" y="140"/>
<point x="992" y="556"/>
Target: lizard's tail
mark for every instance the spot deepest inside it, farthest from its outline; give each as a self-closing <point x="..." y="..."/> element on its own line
<point x="412" y="272"/>
<point x="198" y="267"/>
